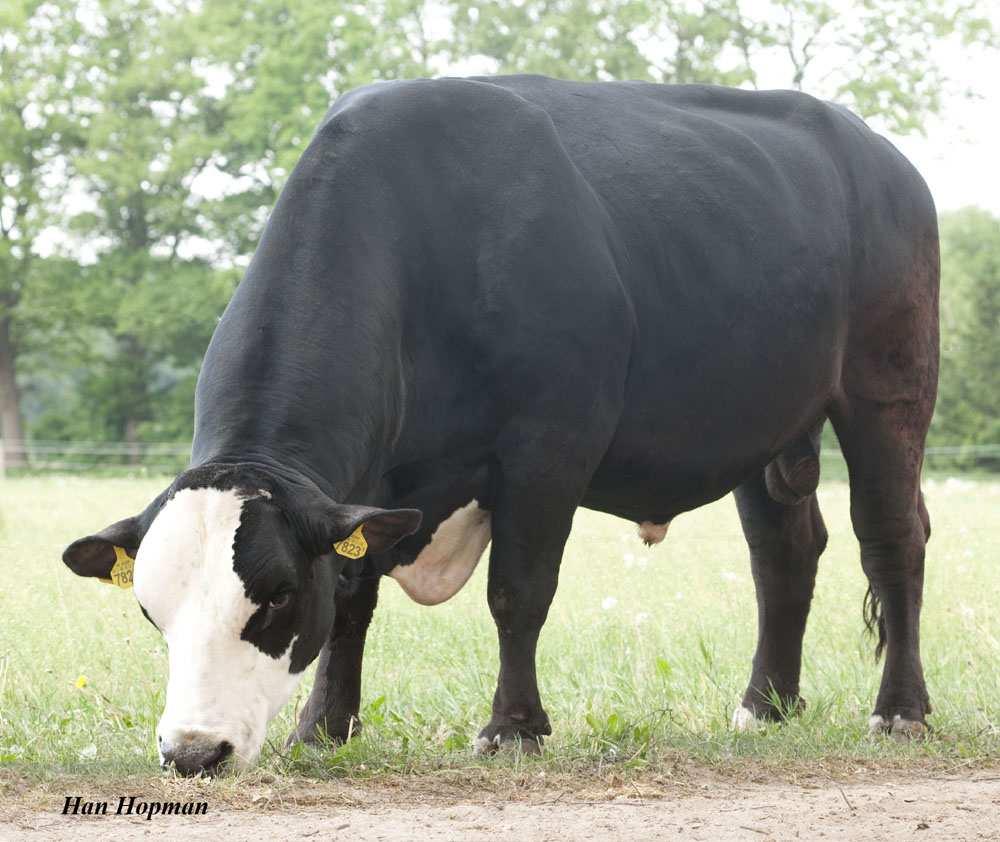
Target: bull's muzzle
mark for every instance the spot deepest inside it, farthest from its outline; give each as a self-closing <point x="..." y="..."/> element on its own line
<point x="191" y="752"/>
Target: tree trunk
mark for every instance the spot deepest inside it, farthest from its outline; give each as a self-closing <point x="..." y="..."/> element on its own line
<point x="11" y="427"/>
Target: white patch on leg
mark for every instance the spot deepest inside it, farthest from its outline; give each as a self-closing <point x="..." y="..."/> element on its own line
<point x="744" y="720"/>
<point x="652" y="533"/>
<point x="447" y="562"/>
<point x="877" y="724"/>
<point x="484" y="745"/>
<point x="908" y="729"/>
<point x="900" y="728"/>
<point x="220" y="687"/>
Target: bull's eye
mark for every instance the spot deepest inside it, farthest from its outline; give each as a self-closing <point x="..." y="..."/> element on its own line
<point x="279" y="600"/>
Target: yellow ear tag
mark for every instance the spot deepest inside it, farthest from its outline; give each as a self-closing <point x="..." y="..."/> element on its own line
<point x="353" y="546"/>
<point x="121" y="570"/>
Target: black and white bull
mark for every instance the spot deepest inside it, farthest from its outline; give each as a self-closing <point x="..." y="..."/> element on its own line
<point x="491" y="301"/>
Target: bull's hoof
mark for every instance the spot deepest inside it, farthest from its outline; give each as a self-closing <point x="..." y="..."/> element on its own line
<point x="523" y="735"/>
<point x="899" y="727"/>
<point x="486" y="747"/>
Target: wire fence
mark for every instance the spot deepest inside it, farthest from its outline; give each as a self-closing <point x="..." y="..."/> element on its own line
<point x="36" y="456"/>
<point x="83" y="457"/>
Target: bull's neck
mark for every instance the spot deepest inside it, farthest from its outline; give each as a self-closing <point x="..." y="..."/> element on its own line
<point x="305" y="377"/>
<point x="305" y="368"/>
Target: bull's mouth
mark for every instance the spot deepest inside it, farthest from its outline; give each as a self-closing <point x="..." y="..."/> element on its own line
<point x="194" y="762"/>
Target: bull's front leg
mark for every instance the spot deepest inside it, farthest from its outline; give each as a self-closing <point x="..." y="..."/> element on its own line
<point x="332" y="707"/>
<point x="529" y="533"/>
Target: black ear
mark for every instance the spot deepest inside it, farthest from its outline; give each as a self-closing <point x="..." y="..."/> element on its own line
<point x="380" y="528"/>
<point x="320" y="524"/>
<point x="95" y="554"/>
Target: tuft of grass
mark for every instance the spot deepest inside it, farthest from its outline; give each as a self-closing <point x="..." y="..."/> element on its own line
<point x="644" y="656"/>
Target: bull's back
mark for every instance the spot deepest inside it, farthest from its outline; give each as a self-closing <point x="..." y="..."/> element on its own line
<point x="763" y="234"/>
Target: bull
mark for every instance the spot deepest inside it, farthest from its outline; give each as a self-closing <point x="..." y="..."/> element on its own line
<point x="482" y="303"/>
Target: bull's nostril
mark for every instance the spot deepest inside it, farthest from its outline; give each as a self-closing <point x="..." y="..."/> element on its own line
<point x="191" y="759"/>
<point x="225" y="752"/>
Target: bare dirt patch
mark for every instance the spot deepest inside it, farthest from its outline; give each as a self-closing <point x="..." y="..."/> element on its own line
<point x="882" y="806"/>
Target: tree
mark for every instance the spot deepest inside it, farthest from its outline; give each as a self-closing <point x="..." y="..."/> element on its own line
<point x="140" y="314"/>
<point x="623" y="39"/>
<point x="174" y="96"/>
<point x="282" y="63"/>
<point x="36" y="126"/>
<point x="968" y="408"/>
<point x="873" y="55"/>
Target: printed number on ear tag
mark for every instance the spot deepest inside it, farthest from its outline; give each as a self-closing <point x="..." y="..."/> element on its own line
<point x="121" y="570"/>
<point x="354" y="545"/>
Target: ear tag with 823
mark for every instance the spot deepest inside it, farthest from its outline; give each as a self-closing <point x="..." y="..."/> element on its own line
<point x="354" y="545"/>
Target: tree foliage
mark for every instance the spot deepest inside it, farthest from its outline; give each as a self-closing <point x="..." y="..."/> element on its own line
<point x="872" y="55"/>
<point x="36" y="127"/>
<point x="969" y="395"/>
<point x="143" y="142"/>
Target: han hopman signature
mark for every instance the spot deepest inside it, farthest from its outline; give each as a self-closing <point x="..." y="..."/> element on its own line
<point x="132" y="805"/>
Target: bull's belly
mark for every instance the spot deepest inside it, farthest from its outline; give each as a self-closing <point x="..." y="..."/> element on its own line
<point x="653" y="476"/>
<point x="669" y="455"/>
<point x="655" y="494"/>
<point x="686" y="438"/>
<point x="456" y="531"/>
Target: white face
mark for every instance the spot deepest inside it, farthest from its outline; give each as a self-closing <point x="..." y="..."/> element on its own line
<point x="220" y="688"/>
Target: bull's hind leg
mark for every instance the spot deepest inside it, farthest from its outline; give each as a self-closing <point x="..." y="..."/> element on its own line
<point x="881" y="419"/>
<point x="786" y="540"/>
<point x="883" y="445"/>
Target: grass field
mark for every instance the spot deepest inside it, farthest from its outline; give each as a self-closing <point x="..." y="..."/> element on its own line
<point x="644" y="656"/>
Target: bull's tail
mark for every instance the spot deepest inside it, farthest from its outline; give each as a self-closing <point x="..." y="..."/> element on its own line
<point x="872" y="612"/>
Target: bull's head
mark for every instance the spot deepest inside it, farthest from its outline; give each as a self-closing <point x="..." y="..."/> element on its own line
<point x="239" y="575"/>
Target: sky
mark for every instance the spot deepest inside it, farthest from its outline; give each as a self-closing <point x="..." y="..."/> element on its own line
<point x="959" y="157"/>
<point x="959" y="151"/>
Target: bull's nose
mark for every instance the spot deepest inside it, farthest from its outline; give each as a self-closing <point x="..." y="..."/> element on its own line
<point x="190" y="753"/>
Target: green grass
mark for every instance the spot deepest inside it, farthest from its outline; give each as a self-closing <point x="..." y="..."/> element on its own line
<point x="644" y="656"/>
